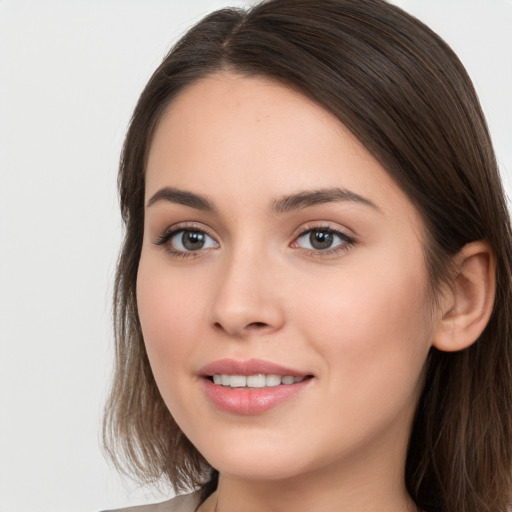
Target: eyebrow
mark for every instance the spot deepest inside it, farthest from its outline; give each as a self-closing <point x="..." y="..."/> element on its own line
<point x="284" y="204"/>
<point x="174" y="195"/>
<point x="310" y="198"/>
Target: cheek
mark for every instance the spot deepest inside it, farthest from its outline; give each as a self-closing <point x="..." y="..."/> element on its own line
<point x="373" y="328"/>
<point x="169" y="315"/>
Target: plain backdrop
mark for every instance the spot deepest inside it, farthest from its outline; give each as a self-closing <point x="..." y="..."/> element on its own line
<point x="70" y="74"/>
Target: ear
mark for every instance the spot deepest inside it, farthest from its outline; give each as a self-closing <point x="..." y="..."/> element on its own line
<point x="468" y="299"/>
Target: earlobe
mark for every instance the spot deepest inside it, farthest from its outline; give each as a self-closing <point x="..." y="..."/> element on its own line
<point x="469" y="299"/>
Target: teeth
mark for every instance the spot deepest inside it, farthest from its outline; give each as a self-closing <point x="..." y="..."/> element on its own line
<point x="254" y="381"/>
<point x="273" y="380"/>
<point x="238" y="381"/>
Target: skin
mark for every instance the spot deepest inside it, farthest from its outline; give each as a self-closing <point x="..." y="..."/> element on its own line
<point x="356" y="316"/>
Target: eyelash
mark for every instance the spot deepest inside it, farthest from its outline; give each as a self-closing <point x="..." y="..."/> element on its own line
<point x="347" y="241"/>
<point x="166" y="236"/>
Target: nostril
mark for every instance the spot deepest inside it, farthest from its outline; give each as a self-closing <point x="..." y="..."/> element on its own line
<point x="235" y="329"/>
<point x="256" y="325"/>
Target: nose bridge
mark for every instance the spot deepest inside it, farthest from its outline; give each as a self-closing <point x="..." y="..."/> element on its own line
<point x="246" y="297"/>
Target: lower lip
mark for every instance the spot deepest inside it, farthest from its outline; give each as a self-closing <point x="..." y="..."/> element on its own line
<point x="252" y="400"/>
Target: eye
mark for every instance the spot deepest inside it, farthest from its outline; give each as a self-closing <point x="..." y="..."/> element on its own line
<point x="323" y="240"/>
<point x="183" y="241"/>
<point x="186" y="240"/>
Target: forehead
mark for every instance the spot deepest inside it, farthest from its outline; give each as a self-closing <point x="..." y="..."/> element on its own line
<point x="234" y="136"/>
<point x="245" y="115"/>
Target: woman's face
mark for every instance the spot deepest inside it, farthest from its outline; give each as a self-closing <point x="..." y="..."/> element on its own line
<point x="278" y="251"/>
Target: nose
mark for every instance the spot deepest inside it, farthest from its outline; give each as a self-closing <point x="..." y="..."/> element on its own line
<point x="247" y="298"/>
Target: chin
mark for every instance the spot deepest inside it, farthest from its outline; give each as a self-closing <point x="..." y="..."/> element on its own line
<point x="258" y="460"/>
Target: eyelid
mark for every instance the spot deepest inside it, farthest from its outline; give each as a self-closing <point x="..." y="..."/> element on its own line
<point x="324" y="225"/>
<point x="184" y="226"/>
<point x="348" y="239"/>
<point x="166" y="236"/>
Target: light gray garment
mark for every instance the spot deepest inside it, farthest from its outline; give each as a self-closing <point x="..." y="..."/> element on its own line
<point x="183" y="503"/>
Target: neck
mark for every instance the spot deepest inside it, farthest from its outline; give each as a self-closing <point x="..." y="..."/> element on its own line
<point x="282" y="497"/>
<point x="374" y="488"/>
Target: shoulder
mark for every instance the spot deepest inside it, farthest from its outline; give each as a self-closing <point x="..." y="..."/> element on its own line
<point x="183" y="503"/>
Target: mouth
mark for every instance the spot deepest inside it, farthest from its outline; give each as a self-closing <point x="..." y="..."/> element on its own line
<point x="256" y="381"/>
<point x="252" y="387"/>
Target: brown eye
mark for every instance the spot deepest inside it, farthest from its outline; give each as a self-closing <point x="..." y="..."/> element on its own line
<point x="191" y="240"/>
<point x="323" y="240"/>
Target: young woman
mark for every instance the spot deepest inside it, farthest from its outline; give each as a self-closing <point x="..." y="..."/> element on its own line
<point x="312" y="300"/>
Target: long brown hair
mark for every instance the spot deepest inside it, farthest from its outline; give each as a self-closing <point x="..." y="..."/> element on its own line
<point x="405" y="95"/>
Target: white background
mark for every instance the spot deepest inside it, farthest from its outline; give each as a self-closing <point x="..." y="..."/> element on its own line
<point x="70" y="74"/>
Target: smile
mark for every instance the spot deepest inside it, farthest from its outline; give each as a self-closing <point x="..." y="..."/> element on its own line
<point x="254" y="381"/>
<point x="252" y="386"/>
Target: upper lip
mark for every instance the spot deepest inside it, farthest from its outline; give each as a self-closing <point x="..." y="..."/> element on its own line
<point x="248" y="367"/>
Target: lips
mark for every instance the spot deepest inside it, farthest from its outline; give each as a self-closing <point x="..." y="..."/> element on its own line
<point x="249" y="367"/>
<point x="253" y="386"/>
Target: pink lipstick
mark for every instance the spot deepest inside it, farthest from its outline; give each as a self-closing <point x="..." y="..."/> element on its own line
<point x="253" y="386"/>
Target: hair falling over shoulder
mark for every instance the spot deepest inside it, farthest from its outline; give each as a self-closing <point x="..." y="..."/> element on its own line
<point x="405" y="95"/>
